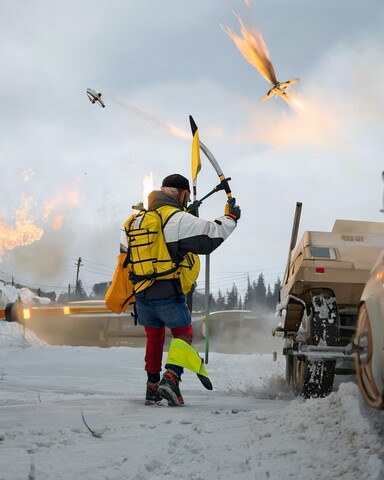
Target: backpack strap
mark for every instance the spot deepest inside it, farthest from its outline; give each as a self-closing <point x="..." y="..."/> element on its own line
<point x="169" y="217"/>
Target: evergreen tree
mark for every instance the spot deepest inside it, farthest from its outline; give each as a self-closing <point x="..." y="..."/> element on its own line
<point x="270" y="300"/>
<point x="257" y="296"/>
<point x="240" y="307"/>
<point x="248" y="297"/>
<point x="260" y="292"/>
<point x="80" y="293"/>
<point x="220" y="302"/>
<point x="276" y="293"/>
<point x="198" y="302"/>
<point x="212" y="303"/>
<point x="232" y="299"/>
<point x="99" y="290"/>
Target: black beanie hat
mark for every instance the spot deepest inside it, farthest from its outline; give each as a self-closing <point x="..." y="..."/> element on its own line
<point x="176" y="181"/>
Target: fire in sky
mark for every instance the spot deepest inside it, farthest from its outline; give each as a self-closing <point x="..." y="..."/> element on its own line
<point x="24" y="232"/>
<point x="67" y="197"/>
<point x="255" y="51"/>
<point x="147" y="188"/>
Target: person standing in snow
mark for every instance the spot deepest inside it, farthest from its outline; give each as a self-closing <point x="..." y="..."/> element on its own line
<point x="163" y="303"/>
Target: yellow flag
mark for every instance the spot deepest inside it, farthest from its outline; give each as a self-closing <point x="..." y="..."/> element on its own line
<point x="196" y="162"/>
<point x="182" y="354"/>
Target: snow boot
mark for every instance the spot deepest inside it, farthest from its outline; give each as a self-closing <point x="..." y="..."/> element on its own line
<point x="152" y="396"/>
<point x="169" y="389"/>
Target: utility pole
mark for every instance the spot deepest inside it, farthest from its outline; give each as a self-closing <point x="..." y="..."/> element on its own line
<point x="77" y="274"/>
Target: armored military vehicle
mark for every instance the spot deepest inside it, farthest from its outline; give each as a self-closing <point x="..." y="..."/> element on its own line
<point x="319" y="299"/>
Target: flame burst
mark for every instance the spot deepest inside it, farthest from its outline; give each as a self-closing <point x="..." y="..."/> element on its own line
<point x="255" y="51"/>
<point x="69" y="197"/>
<point x="25" y="231"/>
<point x="147" y="188"/>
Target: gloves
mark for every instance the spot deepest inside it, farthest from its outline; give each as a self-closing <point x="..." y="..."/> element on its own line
<point x="232" y="210"/>
<point x="193" y="207"/>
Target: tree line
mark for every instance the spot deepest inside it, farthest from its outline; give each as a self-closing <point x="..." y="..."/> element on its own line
<point x="257" y="296"/>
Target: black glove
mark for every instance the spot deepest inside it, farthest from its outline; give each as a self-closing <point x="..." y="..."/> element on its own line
<point x="232" y="210"/>
<point x="193" y="207"/>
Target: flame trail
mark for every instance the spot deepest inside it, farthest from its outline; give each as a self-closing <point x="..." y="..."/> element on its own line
<point x="148" y="117"/>
<point x="255" y="51"/>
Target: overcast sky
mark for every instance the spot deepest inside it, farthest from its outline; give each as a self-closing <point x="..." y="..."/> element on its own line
<point x="76" y="169"/>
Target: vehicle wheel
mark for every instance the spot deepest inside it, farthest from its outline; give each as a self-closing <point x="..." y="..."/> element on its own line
<point x="299" y="373"/>
<point x="9" y="317"/>
<point x="288" y="369"/>
<point x="312" y="379"/>
<point x="363" y="361"/>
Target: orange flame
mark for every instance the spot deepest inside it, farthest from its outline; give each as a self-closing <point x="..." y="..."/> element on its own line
<point x="70" y="197"/>
<point x="25" y="231"/>
<point x="253" y="49"/>
<point x="294" y="100"/>
<point x="57" y="221"/>
<point x="147" y="188"/>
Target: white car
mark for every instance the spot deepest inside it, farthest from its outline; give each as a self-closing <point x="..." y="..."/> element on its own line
<point x="369" y="338"/>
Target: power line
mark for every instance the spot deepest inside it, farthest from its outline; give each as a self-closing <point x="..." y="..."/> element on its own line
<point x="95" y="263"/>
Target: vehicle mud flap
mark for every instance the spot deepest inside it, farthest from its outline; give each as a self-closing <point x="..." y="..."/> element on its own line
<point x="314" y="378"/>
<point x="325" y="320"/>
<point x="319" y="377"/>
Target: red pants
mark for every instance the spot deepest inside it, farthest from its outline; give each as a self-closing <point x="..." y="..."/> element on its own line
<point x="155" y="345"/>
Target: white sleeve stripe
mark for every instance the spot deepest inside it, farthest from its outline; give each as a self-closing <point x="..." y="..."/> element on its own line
<point x="184" y="225"/>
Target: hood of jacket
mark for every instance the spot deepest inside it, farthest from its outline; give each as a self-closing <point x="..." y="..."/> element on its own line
<point x="157" y="199"/>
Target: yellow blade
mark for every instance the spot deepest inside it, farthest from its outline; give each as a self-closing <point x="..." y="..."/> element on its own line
<point x="196" y="161"/>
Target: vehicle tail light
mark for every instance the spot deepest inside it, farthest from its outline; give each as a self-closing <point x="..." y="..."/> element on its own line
<point x="320" y="270"/>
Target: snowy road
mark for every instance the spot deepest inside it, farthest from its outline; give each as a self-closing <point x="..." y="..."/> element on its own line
<point x="249" y="427"/>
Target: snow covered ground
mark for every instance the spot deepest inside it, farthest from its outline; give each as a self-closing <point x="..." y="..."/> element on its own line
<point x="248" y="427"/>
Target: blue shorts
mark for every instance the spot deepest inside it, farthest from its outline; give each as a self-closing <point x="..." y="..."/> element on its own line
<point x="170" y="312"/>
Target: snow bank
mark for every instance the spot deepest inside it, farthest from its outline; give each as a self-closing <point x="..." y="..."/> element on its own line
<point x="15" y="335"/>
<point x="248" y="427"/>
<point x="10" y="294"/>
